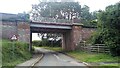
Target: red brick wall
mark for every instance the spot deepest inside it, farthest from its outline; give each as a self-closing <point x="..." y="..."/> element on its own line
<point x="79" y="34"/>
<point x="76" y="34"/>
<point x="20" y="29"/>
<point x="87" y="32"/>
<point x="24" y="31"/>
<point x="8" y="29"/>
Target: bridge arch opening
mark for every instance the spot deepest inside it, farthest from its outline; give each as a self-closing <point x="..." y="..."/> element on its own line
<point x="65" y="38"/>
<point x="47" y="39"/>
<point x="70" y="32"/>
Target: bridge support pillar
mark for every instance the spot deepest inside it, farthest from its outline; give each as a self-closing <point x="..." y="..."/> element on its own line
<point x="66" y="42"/>
<point x="30" y="46"/>
<point x="63" y="41"/>
<point x="72" y="38"/>
<point x="76" y="35"/>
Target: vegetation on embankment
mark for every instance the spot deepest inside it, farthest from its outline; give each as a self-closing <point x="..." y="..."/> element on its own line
<point x="11" y="56"/>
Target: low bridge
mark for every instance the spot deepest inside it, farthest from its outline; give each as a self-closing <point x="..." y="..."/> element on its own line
<point x="70" y="32"/>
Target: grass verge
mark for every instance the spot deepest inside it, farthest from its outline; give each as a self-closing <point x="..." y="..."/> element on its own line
<point x="14" y="53"/>
<point x="57" y="49"/>
<point x="93" y="58"/>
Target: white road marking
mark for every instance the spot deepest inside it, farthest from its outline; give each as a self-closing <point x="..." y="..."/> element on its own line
<point x="73" y="62"/>
<point x="59" y="58"/>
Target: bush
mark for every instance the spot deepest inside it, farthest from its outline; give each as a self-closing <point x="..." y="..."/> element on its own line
<point x="37" y="43"/>
<point x="109" y="29"/>
<point x="110" y="39"/>
<point x="46" y="42"/>
<point x="96" y="38"/>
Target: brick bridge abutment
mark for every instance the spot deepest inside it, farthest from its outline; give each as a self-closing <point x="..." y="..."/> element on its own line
<point x="72" y="37"/>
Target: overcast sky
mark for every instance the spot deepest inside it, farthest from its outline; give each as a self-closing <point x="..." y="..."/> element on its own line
<point x="19" y="6"/>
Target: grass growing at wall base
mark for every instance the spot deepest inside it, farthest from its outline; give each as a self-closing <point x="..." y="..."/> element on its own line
<point x="11" y="56"/>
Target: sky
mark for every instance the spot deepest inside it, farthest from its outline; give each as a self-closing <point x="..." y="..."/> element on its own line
<point x="19" y="6"/>
<point x="35" y="37"/>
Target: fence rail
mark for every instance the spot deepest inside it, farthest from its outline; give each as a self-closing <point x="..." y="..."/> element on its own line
<point x="98" y="48"/>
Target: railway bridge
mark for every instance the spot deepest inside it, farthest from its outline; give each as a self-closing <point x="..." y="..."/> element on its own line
<point x="71" y="32"/>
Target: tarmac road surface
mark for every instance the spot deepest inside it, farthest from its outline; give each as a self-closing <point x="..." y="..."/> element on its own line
<point x="52" y="58"/>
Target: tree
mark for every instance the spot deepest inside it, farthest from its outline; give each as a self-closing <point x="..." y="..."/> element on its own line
<point x="57" y="10"/>
<point x="88" y="18"/>
<point x="50" y="39"/>
<point x="109" y="28"/>
<point x="85" y="14"/>
<point x="23" y="16"/>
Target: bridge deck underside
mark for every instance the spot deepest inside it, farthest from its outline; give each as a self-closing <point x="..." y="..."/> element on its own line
<point x="48" y="30"/>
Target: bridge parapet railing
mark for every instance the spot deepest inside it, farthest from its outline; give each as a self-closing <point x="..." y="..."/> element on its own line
<point x="53" y="20"/>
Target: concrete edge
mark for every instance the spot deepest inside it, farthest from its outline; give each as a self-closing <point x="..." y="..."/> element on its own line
<point x="85" y="63"/>
<point x="38" y="59"/>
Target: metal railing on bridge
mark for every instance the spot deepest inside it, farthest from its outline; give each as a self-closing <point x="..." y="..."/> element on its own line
<point x="53" y="20"/>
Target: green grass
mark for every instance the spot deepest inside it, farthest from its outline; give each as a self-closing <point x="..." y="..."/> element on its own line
<point x="104" y="67"/>
<point x="58" y="49"/>
<point x="93" y="58"/>
<point x="13" y="56"/>
<point x="0" y="53"/>
<point x="116" y="64"/>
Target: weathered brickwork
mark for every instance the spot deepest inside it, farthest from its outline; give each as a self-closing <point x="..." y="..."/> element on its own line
<point x="20" y="29"/>
<point x="71" y="38"/>
<point x="87" y="32"/>
<point x="75" y="35"/>
<point x="24" y="31"/>
<point x="8" y="29"/>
